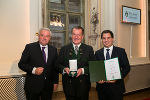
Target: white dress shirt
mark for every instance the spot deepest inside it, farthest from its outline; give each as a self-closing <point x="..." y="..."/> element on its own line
<point x="46" y="50"/>
<point x="78" y="49"/>
<point x="76" y="45"/>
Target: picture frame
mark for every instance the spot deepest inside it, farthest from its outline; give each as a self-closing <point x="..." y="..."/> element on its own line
<point x="131" y="15"/>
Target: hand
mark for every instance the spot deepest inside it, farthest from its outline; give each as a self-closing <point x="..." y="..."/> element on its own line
<point x="113" y="81"/>
<point x="67" y="70"/>
<point x="39" y="70"/>
<point x="79" y="72"/>
<point x="55" y="87"/>
<point x="101" y="81"/>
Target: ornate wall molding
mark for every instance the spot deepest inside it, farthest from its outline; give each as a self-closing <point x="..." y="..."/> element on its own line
<point x="93" y="21"/>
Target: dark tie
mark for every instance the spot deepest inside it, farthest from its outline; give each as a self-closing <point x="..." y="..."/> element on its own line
<point x="107" y="54"/>
<point x="44" y="54"/>
<point x="76" y="50"/>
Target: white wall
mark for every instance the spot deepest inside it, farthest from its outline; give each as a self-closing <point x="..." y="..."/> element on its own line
<point x="19" y="21"/>
<point x="134" y="38"/>
<point x="138" y="78"/>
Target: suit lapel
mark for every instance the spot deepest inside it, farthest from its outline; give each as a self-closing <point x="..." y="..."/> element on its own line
<point x="49" y="54"/>
<point x="39" y="50"/>
<point x="102" y="52"/>
<point x="72" y="54"/>
<point x="113" y="55"/>
<point x="81" y="51"/>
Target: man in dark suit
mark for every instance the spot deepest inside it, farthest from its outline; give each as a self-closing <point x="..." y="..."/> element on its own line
<point x="38" y="61"/>
<point x="76" y="86"/>
<point x="113" y="89"/>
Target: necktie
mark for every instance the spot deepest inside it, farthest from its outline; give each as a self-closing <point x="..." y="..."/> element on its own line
<point x="76" y="50"/>
<point x="107" y="54"/>
<point x="44" y="54"/>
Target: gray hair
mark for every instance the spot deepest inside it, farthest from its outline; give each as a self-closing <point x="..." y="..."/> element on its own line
<point x="47" y="29"/>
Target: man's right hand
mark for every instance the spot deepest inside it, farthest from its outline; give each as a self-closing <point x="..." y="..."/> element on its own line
<point x="39" y="70"/>
<point x="101" y="81"/>
<point x="67" y="70"/>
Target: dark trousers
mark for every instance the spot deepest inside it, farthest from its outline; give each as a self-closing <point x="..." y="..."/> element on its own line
<point x="109" y="92"/>
<point x="76" y="88"/>
<point x="44" y="95"/>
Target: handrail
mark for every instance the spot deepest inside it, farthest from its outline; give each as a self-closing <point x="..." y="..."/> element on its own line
<point x="12" y="76"/>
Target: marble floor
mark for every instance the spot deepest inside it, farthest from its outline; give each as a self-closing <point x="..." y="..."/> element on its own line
<point x="139" y="95"/>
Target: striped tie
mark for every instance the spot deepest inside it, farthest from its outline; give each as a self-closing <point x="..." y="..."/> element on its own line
<point x="76" y="50"/>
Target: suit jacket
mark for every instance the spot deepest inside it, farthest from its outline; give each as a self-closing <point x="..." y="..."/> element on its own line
<point x="67" y="53"/>
<point x="123" y="63"/>
<point x="32" y="57"/>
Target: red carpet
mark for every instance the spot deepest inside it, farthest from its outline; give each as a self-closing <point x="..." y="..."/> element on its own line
<point x="146" y="99"/>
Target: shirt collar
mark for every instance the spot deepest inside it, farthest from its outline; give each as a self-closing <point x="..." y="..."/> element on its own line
<point x="46" y="46"/>
<point x="76" y="45"/>
<point x="109" y="48"/>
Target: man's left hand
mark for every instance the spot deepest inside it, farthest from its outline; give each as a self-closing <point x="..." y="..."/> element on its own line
<point x="55" y="87"/>
<point x="113" y="81"/>
<point x="79" y="72"/>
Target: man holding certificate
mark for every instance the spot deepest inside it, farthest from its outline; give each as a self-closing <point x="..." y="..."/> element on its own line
<point x="73" y="64"/>
<point x="115" y="60"/>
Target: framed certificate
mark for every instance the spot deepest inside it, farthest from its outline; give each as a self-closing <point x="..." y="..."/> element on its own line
<point x="104" y="70"/>
<point x="112" y="69"/>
